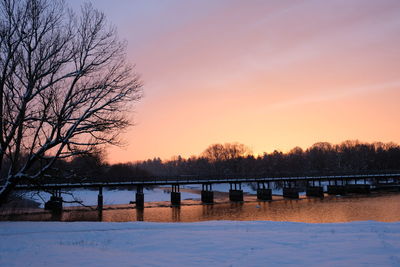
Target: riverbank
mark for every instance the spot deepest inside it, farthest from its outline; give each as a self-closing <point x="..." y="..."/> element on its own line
<point x="222" y="243"/>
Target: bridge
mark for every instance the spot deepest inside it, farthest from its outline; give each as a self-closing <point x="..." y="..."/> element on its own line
<point x="291" y="186"/>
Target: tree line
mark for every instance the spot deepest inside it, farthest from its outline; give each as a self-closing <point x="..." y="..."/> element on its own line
<point x="233" y="159"/>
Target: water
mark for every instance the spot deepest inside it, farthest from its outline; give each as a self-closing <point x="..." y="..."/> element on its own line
<point x="331" y="209"/>
<point x="111" y="196"/>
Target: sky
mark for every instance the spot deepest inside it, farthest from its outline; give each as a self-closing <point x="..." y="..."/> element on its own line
<point x="268" y="74"/>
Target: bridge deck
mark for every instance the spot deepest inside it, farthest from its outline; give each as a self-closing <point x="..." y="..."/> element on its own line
<point x="199" y="180"/>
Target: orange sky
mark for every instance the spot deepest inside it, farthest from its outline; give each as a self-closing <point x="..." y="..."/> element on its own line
<point x="268" y="74"/>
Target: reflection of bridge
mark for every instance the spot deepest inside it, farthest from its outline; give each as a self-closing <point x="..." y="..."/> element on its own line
<point x="291" y="186"/>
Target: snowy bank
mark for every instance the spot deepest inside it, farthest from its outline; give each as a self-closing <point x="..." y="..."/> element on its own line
<point x="215" y="243"/>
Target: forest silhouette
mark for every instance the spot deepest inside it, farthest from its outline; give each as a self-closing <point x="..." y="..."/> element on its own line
<point x="236" y="160"/>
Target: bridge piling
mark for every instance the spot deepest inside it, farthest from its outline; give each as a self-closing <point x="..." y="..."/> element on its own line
<point x="175" y="195"/>
<point x="263" y="193"/>
<point x="207" y="195"/>
<point x="358" y="188"/>
<point x="315" y="191"/>
<point x="100" y="198"/>
<point x="235" y="194"/>
<point x="139" y="197"/>
<point x="336" y="189"/>
<point x="289" y="191"/>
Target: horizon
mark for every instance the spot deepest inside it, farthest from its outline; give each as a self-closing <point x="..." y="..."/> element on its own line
<point x="270" y="75"/>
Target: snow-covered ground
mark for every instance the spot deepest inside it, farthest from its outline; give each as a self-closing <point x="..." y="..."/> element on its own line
<point x="215" y="243"/>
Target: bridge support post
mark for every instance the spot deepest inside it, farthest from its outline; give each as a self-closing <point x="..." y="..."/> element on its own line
<point x="139" y="197"/>
<point x="336" y="189"/>
<point x="289" y="191"/>
<point x="315" y="191"/>
<point x="235" y="192"/>
<point x="100" y="199"/>
<point x="263" y="193"/>
<point x="358" y="188"/>
<point x="207" y="195"/>
<point x="55" y="202"/>
<point x="175" y="195"/>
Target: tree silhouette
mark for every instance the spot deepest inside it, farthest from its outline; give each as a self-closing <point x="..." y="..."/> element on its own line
<point x="64" y="86"/>
<point x="320" y="159"/>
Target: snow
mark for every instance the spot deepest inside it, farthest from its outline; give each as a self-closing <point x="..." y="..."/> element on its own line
<point x="249" y="188"/>
<point x="213" y="243"/>
<point x="112" y="196"/>
<point x="124" y="196"/>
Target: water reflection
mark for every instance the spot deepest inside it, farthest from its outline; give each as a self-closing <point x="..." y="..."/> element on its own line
<point x="176" y="214"/>
<point x="384" y="208"/>
<point x="140" y="215"/>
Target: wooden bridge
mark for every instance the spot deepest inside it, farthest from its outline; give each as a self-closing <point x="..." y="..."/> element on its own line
<point x="291" y="186"/>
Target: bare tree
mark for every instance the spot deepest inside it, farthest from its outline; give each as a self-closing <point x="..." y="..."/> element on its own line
<point x="228" y="151"/>
<point x="65" y="86"/>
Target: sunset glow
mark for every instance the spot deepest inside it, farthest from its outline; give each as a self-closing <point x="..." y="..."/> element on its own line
<point x="268" y="74"/>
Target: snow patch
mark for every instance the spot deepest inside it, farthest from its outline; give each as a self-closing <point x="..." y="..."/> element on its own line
<point x="215" y="243"/>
